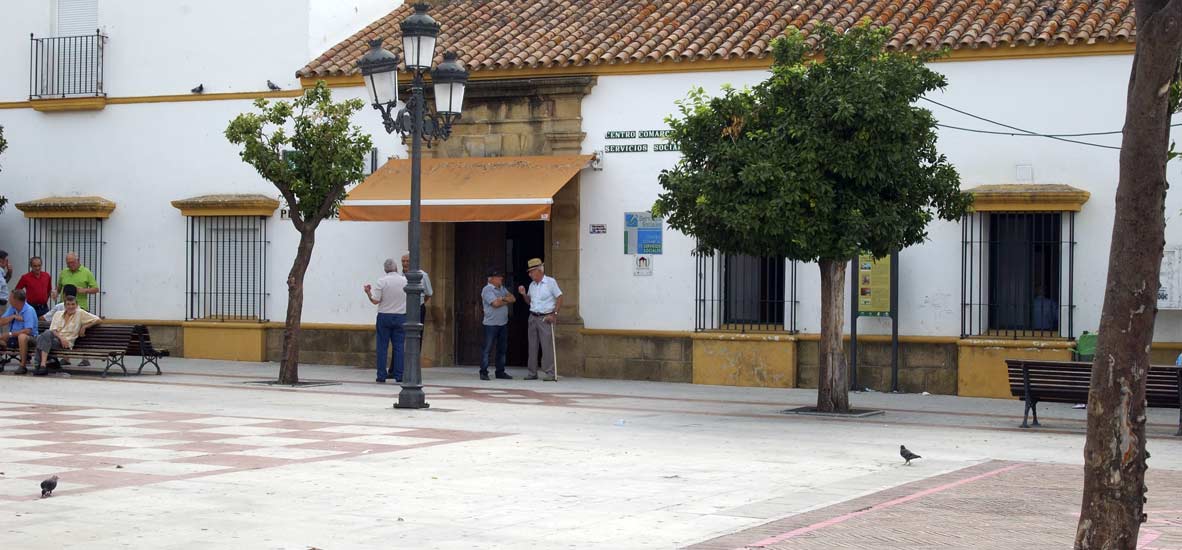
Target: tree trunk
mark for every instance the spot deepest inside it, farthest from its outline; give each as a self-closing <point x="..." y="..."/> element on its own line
<point x="289" y="366"/>
<point x="833" y="383"/>
<point x="1114" y="455"/>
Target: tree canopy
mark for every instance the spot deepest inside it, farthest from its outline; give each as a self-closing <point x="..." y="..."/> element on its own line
<point x="308" y="148"/>
<point x="826" y="159"/>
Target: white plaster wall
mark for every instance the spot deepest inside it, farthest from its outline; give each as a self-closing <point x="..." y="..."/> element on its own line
<point x="142" y="156"/>
<point x="1066" y="95"/>
<point x="168" y="47"/>
<point x="18" y="20"/>
<point x="332" y="21"/>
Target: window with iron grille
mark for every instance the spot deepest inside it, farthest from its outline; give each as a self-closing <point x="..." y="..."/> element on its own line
<point x="52" y="238"/>
<point x="226" y="268"/>
<point x="745" y="293"/>
<point x="1017" y="274"/>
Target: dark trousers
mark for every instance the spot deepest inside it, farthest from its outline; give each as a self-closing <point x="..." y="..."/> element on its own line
<point x="41" y="309"/>
<point x="390" y="331"/>
<point x="500" y="336"/>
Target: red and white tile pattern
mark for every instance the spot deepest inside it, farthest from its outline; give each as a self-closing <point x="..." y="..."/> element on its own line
<point x="98" y="448"/>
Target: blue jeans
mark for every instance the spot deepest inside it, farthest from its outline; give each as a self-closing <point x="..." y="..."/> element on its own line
<point x="499" y="334"/>
<point x="390" y="331"/>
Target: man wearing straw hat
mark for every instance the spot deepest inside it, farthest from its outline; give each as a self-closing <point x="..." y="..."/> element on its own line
<point x="544" y="299"/>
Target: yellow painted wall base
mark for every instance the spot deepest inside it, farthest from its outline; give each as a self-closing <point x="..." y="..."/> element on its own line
<point x="766" y="361"/>
<point x="981" y="365"/>
<point x="225" y="341"/>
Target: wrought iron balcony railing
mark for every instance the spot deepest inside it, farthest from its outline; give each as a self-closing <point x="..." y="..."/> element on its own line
<point x="66" y="66"/>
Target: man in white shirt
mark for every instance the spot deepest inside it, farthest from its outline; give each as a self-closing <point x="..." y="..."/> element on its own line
<point x="390" y="297"/>
<point x="544" y="299"/>
<point x="427" y="290"/>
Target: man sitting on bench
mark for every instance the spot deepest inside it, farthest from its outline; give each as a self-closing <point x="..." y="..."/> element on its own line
<point x="20" y="324"/>
<point x="67" y="326"/>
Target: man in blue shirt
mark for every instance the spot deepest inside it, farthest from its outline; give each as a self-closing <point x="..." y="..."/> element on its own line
<point x="496" y="299"/>
<point x="19" y="325"/>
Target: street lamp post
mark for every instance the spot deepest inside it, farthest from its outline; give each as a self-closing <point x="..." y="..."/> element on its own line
<point x="379" y="67"/>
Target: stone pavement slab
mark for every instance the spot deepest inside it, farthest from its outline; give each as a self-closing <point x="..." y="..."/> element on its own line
<point x="209" y="461"/>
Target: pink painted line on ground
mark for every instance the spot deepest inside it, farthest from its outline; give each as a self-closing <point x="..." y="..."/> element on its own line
<point x="1147" y="538"/>
<point x="882" y="506"/>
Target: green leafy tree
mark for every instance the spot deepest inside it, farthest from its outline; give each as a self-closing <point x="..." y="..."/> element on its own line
<point x="826" y="159"/>
<point x="309" y="150"/>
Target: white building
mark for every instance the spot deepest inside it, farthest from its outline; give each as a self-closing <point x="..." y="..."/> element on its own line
<point x="553" y="82"/>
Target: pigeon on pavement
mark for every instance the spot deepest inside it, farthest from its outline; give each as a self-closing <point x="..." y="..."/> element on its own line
<point x="48" y="486"/>
<point x="907" y="455"/>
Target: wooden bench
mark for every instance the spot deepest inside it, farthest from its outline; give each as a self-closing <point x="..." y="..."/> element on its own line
<point x="111" y="344"/>
<point x="108" y="343"/>
<point x="141" y="345"/>
<point x="1068" y="382"/>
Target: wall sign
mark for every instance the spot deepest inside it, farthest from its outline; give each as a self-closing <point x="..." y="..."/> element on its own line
<point x="874" y="286"/>
<point x="642" y="265"/>
<point x="640" y="147"/>
<point x="599" y="229"/>
<point x="643" y="234"/>
<point x="1169" y="292"/>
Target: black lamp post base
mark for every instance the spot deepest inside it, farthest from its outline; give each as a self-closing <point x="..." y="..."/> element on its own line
<point x="412" y="398"/>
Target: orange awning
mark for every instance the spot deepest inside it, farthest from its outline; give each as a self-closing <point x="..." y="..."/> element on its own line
<point x="465" y="189"/>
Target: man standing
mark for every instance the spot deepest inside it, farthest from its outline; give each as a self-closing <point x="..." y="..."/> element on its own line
<point x="496" y="299"/>
<point x="390" y="297"/>
<point x="80" y="276"/>
<point x="544" y="299"/>
<point x="5" y="275"/>
<point x="37" y="285"/>
<point x="20" y="321"/>
<point x="427" y="290"/>
<point x="66" y="327"/>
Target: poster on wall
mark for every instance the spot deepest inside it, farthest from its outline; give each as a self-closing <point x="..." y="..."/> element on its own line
<point x="874" y="286"/>
<point x="1169" y="293"/>
<point x="643" y="266"/>
<point x="642" y="233"/>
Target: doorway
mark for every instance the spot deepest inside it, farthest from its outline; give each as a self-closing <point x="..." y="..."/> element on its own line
<point x="479" y="247"/>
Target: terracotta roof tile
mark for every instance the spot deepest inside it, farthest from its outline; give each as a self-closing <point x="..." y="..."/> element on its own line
<point x="510" y="34"/>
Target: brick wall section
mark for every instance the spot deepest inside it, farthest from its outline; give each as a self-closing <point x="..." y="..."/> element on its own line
<point x="922" y="367"/>
<point x="657" y="358"/>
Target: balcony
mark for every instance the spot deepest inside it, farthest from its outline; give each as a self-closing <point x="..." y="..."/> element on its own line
<point x="66" y="72"/>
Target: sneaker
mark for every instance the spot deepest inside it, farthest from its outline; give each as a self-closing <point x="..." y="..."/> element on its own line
<point x="41" y="372"/>
<point x="484" y="376"/>
<point x="503" y="376"/>
<point x="532" y="377"/>
<point x="550" y="379"/>
<point x="380" y="380"/>
<point x="21" y="370"/>
<point x="84" y="363"/>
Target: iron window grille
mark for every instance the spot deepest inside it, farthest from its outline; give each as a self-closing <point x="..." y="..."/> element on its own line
<point x="66" y="66"/>
<point x="1017" y="274"/>
<point x="226" y="268"/>
<point x="745" y="293"/>
<point x="52" y="238"/>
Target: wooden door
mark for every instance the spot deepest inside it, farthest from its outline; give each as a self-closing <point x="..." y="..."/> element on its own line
<point x="525" y="240"/>
<point x="479" y="246"/>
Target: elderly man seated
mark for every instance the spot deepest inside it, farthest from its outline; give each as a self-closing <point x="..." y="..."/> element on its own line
<point x="19" y="327"/>
<point x="67" y="326"/>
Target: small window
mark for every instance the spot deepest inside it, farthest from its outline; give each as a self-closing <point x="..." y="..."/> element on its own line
<point x="52" y="238"/>
<point x="226" y="271"/>
<point x="1017" y="272"/>
<point x="745" y="293"/>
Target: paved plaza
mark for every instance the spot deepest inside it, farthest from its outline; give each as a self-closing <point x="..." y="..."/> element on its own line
<point x="200" y="458"/>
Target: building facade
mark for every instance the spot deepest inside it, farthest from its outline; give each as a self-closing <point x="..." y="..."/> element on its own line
<point x="182" y="219"/>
